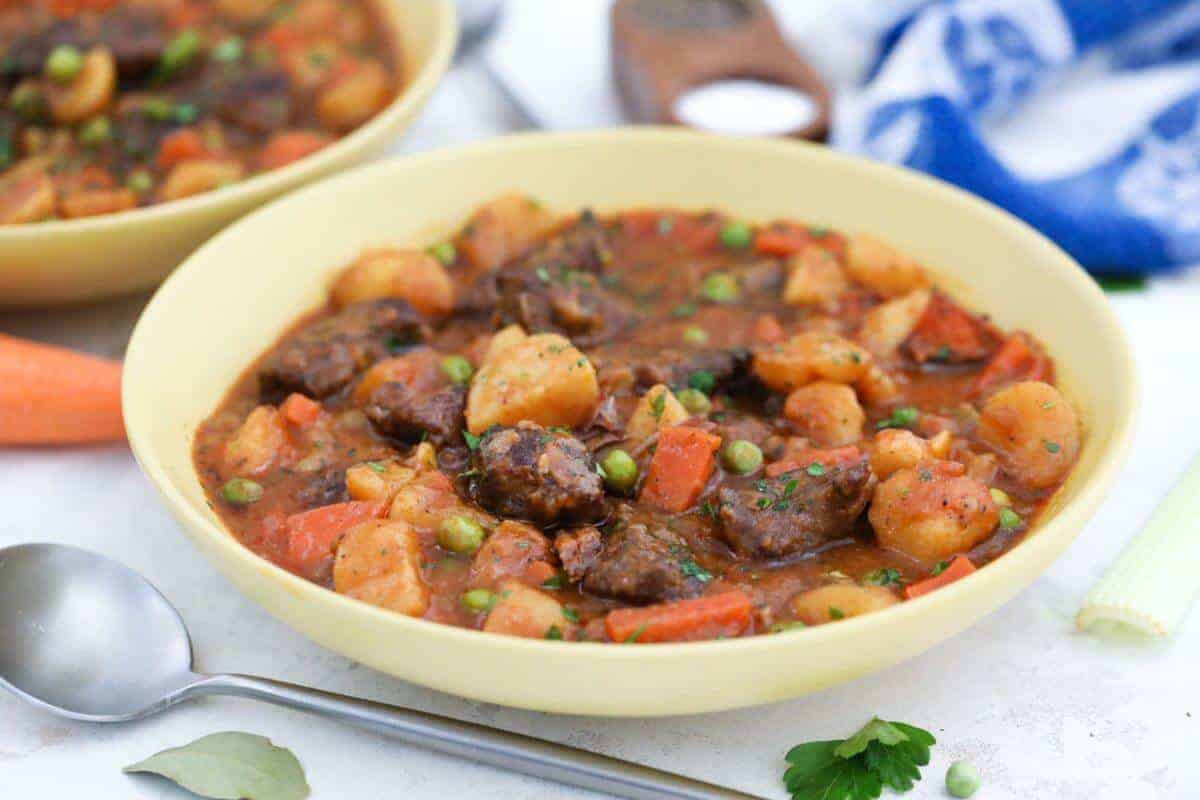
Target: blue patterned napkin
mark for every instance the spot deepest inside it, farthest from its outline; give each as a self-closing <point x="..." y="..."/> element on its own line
<point x="949" y="68"/>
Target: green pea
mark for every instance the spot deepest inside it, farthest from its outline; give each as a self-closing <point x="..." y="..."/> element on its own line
<point x="741" y="457"/>
<point x="720" y="287"/>
<point x="695" y="401"/>
<point x="241" y="492"/>
<point x="620" y="470"/>
<point x="1009" y="519"/>
<point x="179" y="52"/>
<point x="140" y="181"/>
<point x="785" y="627"/>
<point x="736" y="235"/>
<point x="444" y="252"/>
<point x="457" y="369"/>
<point x="26" y="100"/>
<point x="694" y="334"/>
<point x="63" y="63"/>
<point x="962" y="779"/>
<point x="229" y="50"/>
<point x="95" y="132"/>
<point x="478" y="600"/>
<point x="460" y="534"/>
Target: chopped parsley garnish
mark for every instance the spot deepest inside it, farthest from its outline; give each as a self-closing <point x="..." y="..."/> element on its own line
<point x="816" y="469"/>
<point x="818" y="230"/>
<point x="943" y="353"/>
<point x="638" y="631"/>
<point x="880" y="754"/>
<point x="543" y="274"/>
<point x="708" y="508"/>
<point x="658" y="403"/>
<point x="665" y="225"/>
<point x="570" y="614"/>
<point x="683" y="310"/>
<point x="691" y="569"/>
<point x="836" y="613"/>
<point x="939" y="568"/>
<point x="1052" y="447"/>
<point x="554" y="582"/>
<point x="702" y="380"/>
<point x="471" y="439"/>
<point x="902" y="417"/>
<point x="882" y="577"/>
<point x="554" y="633"/>
<point x="375" y="466"/>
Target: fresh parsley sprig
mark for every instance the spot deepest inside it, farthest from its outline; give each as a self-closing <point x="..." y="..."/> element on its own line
<point x="880" y="754"/>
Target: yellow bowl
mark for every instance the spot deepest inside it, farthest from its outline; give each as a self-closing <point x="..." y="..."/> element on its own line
<point x="235" y="295"/>
<point x="74" y="260"/>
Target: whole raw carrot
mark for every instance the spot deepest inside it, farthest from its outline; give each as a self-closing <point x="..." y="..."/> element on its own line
<point x="50" y="395"/>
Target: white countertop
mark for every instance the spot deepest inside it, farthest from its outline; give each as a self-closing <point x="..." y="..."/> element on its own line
<point x="1043" y="711"/>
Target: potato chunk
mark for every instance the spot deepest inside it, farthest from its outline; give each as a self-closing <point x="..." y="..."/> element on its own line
<point x="658" y="408"/>
<point x="887" y="325"/>
<point x="89" y="92"/>
<point x="1034" y="430"/>
<point x="932" y="511"/>
<point x="355" y="96"/>
<point x="814" y="278"/>
<point x="198" y="176"/>
<point x="257" y="444"/>
<point x="895" y="449"/>
<point x="502" y="229"/>
<point x="379" y="562"/>
<point x="827" y="413"/>
<point x="840" y="601"/>
<point x="522" y="611"/>
<point x="542" y="379"/>
<point x="879" y="266"/>
<point x="411" y="275"/>
<point x="808" y="357"/>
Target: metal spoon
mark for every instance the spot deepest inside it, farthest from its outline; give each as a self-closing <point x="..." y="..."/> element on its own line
<point x="87" y="638"/>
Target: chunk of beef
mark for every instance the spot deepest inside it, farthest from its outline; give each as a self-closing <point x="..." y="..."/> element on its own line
<point x="399" y="412"/>
<point x="948" y="333"/>
<point x="577" y="550"/>
<point x="258" y="102"/>
<point x="796" y="511"/>
<point x="507" y="553"/>
<point x="638" y="565"/>
<point x="135" y="35"/>
<point x="726" y="368"/>
<point x="323" y="488"/>
<point x="574" y="307"/>
<point x="325" y="356"/>
<point x="581" y="247"/>
<point x="532" y="473"/>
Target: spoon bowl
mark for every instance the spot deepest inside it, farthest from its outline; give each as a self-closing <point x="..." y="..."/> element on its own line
<point x="87" y="637"/>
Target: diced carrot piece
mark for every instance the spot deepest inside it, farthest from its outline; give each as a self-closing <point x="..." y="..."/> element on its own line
<point x="312" y="535"/>
<point x="681" y="466"/>
<point x="960" y="567"/>
<point x="184" y="144"/>
<point x="284" y="148"/>
<point x="767" y="329"/>
<point x="829" y="459"/>
<point x="299" y="410"/>
<point x="1019" y="358"/>
<point x="725" y="614"/>
<point x="50" y="395"/>
<point x="946" y="332"/>
<point x="781" y="239"/>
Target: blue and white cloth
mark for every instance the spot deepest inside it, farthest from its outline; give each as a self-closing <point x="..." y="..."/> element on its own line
<point x="950" y="68"/>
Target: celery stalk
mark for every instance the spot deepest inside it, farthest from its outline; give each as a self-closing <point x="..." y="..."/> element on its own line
<point x="1153" y="582"/>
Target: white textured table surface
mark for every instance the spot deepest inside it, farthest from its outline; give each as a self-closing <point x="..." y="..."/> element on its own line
<point x="1044" y="712"/>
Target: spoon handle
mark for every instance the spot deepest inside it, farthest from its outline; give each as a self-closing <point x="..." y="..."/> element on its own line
<point x="498" y="748"/>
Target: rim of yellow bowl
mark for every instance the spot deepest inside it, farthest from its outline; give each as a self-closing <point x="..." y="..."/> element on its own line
<point x="1050" y="533"/>
<point x="413" y="93"/>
